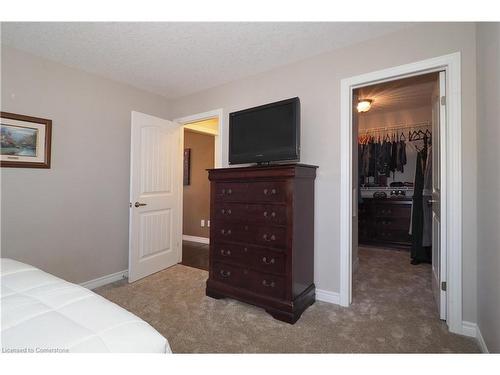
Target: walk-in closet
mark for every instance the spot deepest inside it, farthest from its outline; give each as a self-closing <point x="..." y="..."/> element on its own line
<point x="394" y="124"/>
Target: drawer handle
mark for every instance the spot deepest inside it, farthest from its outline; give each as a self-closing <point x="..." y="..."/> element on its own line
<point x="225" y="253"/>
<point x="227" y="192"/>
<point x="266" y="214"/>
<point x="268" y="284"/>
<point x="268" y="261"/>
<point x="226" y="212"/>
<point x="225" y="274"/>
<point x="268" y="238"/>
<point x="226" y="232"/>
<point x="267" y="191"/>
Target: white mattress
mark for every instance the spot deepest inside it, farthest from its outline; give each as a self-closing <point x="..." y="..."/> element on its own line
<point x="42" y="313"/>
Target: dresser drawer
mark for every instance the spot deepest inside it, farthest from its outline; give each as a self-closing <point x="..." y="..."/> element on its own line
<point x="230" y="252"/>
<point x="393" y="235"/>
<point x="267" y="260"/>
<point x="233" y="232"/>
<point x="269" y="191"/>
<point x="261" y="259"/>
<point x="233" y="212"/>
<point x="230" y="191"/>
<point x="267" y="284"/>
<point x="267" y="214"/>
<point x="271" y="236"/>
<point x="393" y="211"/>
<point x="250" y="213"/>
<point x="393" y="223"/>
<point x="229" y="274"/>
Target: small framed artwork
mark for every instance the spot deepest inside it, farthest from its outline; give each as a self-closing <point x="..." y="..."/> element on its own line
<point x="25" y="141"/>
<point x="187" y="166"/>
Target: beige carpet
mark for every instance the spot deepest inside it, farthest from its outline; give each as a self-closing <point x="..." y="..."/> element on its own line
<point x="393" y="311"/>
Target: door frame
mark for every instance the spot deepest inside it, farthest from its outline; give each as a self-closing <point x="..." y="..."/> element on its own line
<point x="186" y="120"/>
<point x="451" y="175"/>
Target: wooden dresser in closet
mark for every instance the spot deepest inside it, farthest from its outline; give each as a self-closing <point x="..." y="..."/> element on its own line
<point x="385" y="222"/>
<point x="262" y="237"/>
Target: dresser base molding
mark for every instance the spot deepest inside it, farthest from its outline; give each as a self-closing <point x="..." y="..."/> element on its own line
<point x="280" y="310"/>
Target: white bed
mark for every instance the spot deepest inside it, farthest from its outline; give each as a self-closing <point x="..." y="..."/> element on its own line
<point x="42" y="313"/>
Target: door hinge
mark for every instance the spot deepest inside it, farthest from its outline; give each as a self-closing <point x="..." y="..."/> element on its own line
<point x="443" y="286"/>
<point x="130" y="204"/>
<point x="443" y="100"/>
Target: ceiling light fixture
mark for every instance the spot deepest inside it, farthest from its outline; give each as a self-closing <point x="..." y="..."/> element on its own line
<point x="364" y="105"/>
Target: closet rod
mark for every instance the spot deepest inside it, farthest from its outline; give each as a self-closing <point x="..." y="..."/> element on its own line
<point x="417" y="125"/>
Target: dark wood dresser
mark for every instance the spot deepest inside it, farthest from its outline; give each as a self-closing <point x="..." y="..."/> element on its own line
<point x="262" y="237"/>
<point x="385" y="222"/>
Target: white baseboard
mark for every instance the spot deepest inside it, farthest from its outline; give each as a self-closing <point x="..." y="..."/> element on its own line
<point x="469" y="329"/>
<point x="107" y="279"/>
<point x="327" y="296"/>
<point x="206" y="240"/>
<point x="472" y="330"/>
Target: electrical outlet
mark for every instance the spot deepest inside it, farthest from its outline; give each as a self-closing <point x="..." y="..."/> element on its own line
<point x="208" y="223"/>
<point x="202" y="223"/>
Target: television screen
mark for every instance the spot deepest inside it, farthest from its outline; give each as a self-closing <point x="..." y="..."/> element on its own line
<point x="266" y="133"/>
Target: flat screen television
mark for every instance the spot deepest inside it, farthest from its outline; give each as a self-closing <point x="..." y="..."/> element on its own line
<point x="268" y="133"/>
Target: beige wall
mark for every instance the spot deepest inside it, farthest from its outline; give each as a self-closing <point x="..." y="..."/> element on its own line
<point x="197" y="193"/>
<point x="488" y="99"/>
<point x="71" y="220"/>
<point x="317" y="82"/>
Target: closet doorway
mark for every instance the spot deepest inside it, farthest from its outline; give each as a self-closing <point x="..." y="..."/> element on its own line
<point x="397" y="166"/>
<point x="450" y="179"/>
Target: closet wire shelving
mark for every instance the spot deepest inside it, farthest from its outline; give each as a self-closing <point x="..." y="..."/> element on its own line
<point x="392" y="130"/>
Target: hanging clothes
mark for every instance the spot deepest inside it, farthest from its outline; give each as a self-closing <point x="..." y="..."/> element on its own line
<point x="386" y="158"/>
<point x="373" y="157"/>
<point x="427" y="196"/>
<point x="418" y="253"/>
<point x="401" y="156"/>
<point x="394" y="153"/>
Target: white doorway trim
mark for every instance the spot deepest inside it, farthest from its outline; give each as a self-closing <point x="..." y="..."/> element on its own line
<point x="451" y="175"/>
<point x="218" y="114"/>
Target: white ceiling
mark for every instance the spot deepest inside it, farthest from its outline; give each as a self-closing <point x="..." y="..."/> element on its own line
<point x="177" y="59"/>
<point x="400" y="94"/>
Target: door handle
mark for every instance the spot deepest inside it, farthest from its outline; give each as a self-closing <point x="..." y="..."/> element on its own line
<point x="137" y="204"/>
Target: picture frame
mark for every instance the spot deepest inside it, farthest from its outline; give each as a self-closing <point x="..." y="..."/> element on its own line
<point x="25" y="141"/>
<point x="187" y="167"/>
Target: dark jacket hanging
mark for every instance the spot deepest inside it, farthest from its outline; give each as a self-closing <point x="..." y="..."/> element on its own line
<point x="418" y="253"/>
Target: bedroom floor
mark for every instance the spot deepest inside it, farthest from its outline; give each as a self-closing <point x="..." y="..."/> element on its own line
<point x="393" y="311"/>
<point x="195" y="254"/>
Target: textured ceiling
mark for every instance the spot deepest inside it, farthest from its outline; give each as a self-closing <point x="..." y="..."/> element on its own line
<point x="410" y="92"/>
<point x="177" y="59"/>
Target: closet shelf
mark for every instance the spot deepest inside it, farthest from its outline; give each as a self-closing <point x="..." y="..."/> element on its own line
<point x="384" y="188"/>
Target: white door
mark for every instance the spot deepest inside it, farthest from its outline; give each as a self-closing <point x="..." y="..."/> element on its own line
<point x="155" y="181"/>
<point x="438" y="253"/>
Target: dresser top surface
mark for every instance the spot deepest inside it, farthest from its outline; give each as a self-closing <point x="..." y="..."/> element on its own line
<point x="265" y="167"/>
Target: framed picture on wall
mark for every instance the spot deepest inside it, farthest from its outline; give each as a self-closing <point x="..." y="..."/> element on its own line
<point x="187" y="166"/>
<point x="25" y="141"/>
